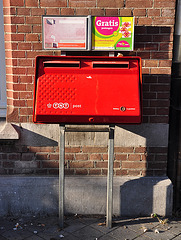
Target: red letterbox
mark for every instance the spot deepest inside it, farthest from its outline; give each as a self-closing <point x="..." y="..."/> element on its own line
<point x="79" y="89"/>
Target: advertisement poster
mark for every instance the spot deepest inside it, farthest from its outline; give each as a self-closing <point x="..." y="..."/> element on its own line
<point x="64" y="32"/>
<point x="113" y="33"/>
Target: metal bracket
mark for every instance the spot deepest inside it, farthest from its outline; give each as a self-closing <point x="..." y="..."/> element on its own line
<point x="64" y="129"/>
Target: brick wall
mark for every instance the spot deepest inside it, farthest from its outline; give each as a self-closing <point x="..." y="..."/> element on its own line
<point x="154" y="25"/>
<point x="133" y="161"/>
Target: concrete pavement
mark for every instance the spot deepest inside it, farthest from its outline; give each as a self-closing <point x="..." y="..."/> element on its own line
<point x="89" y="228"/>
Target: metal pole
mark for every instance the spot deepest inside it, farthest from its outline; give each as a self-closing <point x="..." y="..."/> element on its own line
<point x="110" y="177"/>
<point x="61" y="175"/>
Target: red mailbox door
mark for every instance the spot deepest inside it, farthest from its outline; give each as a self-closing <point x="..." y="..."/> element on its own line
<point x="99" y="90"/>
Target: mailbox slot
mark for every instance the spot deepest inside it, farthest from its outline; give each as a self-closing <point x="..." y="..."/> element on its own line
<point x="62" y="64"/>
<point x="110" y="64"/>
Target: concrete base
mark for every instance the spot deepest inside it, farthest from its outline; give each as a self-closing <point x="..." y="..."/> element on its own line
<point x="85" y="195"/>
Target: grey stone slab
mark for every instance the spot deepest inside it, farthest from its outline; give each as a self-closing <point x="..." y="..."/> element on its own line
<point x="178" y="237"/>
<point x="74" y="226"/>
<point x="140" y="224"/>
<point x="34" y="237"/>
<point x="132" y="196"/>
<point x="16" y="235"/>
<point x="122" y="233"/>
<point x="88" y="233"/>
<point x="105" y="237"/>
<point x="142" y="237"/>
<point x="163" y="234"/>
<point x="88" y="221"/>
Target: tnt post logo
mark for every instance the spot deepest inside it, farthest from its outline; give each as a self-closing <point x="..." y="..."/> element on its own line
<point x="59" y="105"/>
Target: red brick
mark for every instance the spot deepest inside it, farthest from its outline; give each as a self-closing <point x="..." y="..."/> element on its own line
<point x="50" y="164"/>
<point x="31" y="3"/>
<point x="23" y="11"/>
<point x="134" y="165"/>
<point x="166" y="46"/>
<point x="153" y="12"/>
<point x="69" y="157"/>
<point x="97" y="12"/>
<point x="145" y="20"/>
<point x="121" y="157"/>
<point x="24" y="29"/>
<point x="25" y="79"/>
<point x="32" y="37"/>
<point x="81" y="156"/>
<point x="72" y="149"/>
<point x="33" y="20"/>
<point x="26" y="111"/>
<point x="15" y="3"/>
<point x="17" y="37"/>
<point x="163" y="21"/>
<point x="102" y="164"/>
<point x="110" y="4"/>
<point x="9" y="11"/>
<point x="111" y="12"/>
<point x="164" y="4"/>
<point x="95" y="172"/>
<point x="82" y="11"/>
<point x="125" y="12"/>
<point x="159" y="55"/>
<point x="26" y="95"/>
<point x="121" y="172"/>
<point x="24" y="46"/>
<point x="151" y="63"/>
<point x="81" y="172"/>
<point x="140" y="149"/>
<point x="37" y="11"/>
<point x="168" y="12"/>
<point x="81" y="3"/>
<point x="42" y="149"/>
<point x="19" y="70"/>
<point x="17" y="20"/>
<point x="95" y="156"/>
<point x="37" y="29"/>
<point x="29" y="103"/>
<point x="94" y="149"/>
<point x="161" y="70"/>
<point x="25" y="62"/>
<point x="123" y="149"/>
<point x="139" y="12"/>
<point x="28" y="156"/>
<point x="53" y="11"/>
<point x="53" y="3"/>
<point x="54" y="157"/>
<point x="19" y="87"/>
<point x="19" y="103"/>
<point x="134" y="157"/>
<point x="139" y="4"/>
<point x="67" y="11"/>
<point x="82" y="164"/>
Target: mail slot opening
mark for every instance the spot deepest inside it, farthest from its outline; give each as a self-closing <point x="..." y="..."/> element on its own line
<point x="62" y="64"/>
<point x="110" y="65"/>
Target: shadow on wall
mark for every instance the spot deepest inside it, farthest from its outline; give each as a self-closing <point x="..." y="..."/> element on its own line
<point x="144" y="196"/>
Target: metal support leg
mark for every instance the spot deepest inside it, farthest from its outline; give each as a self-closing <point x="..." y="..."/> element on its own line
<point x="61" y="174"/>
<point x="110" y="178"/>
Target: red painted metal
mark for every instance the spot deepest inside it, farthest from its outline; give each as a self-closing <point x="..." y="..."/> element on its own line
<point x="79" y="89"/>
